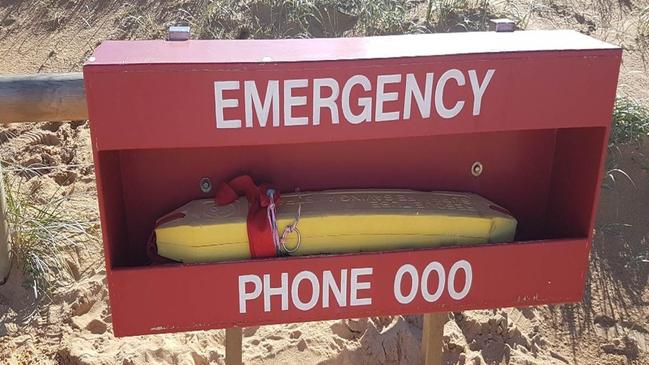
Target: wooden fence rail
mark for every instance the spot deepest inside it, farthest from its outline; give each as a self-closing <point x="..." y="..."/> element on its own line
<point x="42" y="97"/>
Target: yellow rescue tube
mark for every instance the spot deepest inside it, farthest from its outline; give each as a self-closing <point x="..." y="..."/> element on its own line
<point x="338" y="221"/>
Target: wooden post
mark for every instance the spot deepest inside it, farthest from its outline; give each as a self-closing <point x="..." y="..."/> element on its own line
<point x="42" y="97"/>
<point x="233" y="353"/>
<point x="5" y="248"/>
<point x="432" y="336"/>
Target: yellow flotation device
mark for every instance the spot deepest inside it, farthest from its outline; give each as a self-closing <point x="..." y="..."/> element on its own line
<point x="337" y="221"/>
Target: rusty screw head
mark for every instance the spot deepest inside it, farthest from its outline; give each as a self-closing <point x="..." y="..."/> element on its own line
<point x="476" y="169"/>
<point x="206" y="185"/>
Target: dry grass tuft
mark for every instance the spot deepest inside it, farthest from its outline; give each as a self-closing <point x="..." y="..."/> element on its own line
<point x="42" y="234"/>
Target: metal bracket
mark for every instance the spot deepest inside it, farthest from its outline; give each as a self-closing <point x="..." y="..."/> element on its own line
<point x="178" y="33"/>
<point x="502" y="25"/>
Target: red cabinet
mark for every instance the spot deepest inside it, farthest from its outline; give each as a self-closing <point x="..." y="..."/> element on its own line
<point x="417" y="111"/>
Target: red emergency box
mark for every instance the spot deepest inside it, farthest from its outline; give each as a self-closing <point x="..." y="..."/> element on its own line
<point x="520" y="118"/>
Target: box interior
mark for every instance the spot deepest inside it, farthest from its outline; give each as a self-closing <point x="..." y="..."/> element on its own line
<point x="547" y="178"/>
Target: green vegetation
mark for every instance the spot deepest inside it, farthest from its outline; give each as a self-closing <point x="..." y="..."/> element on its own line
<point x="301" y="18"/>
<point x="259" y="19"/>
<point x="464" y="15"/>
<point x="40" y="232"/>
<point x="384" y="17"/>
<point x="630" y="124"/>
<point x="630" y="121"/>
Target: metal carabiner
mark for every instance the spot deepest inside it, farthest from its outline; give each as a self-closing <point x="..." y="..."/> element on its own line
<point x="290" y="229"/>
<point x="272" y="220"/>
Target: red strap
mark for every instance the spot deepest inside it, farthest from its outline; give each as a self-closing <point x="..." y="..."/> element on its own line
<point x="260" y="234"/>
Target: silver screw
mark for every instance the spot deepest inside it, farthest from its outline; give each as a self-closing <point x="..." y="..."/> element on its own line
<point x="476" y="169"/>
<point x="206" y="185"/>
